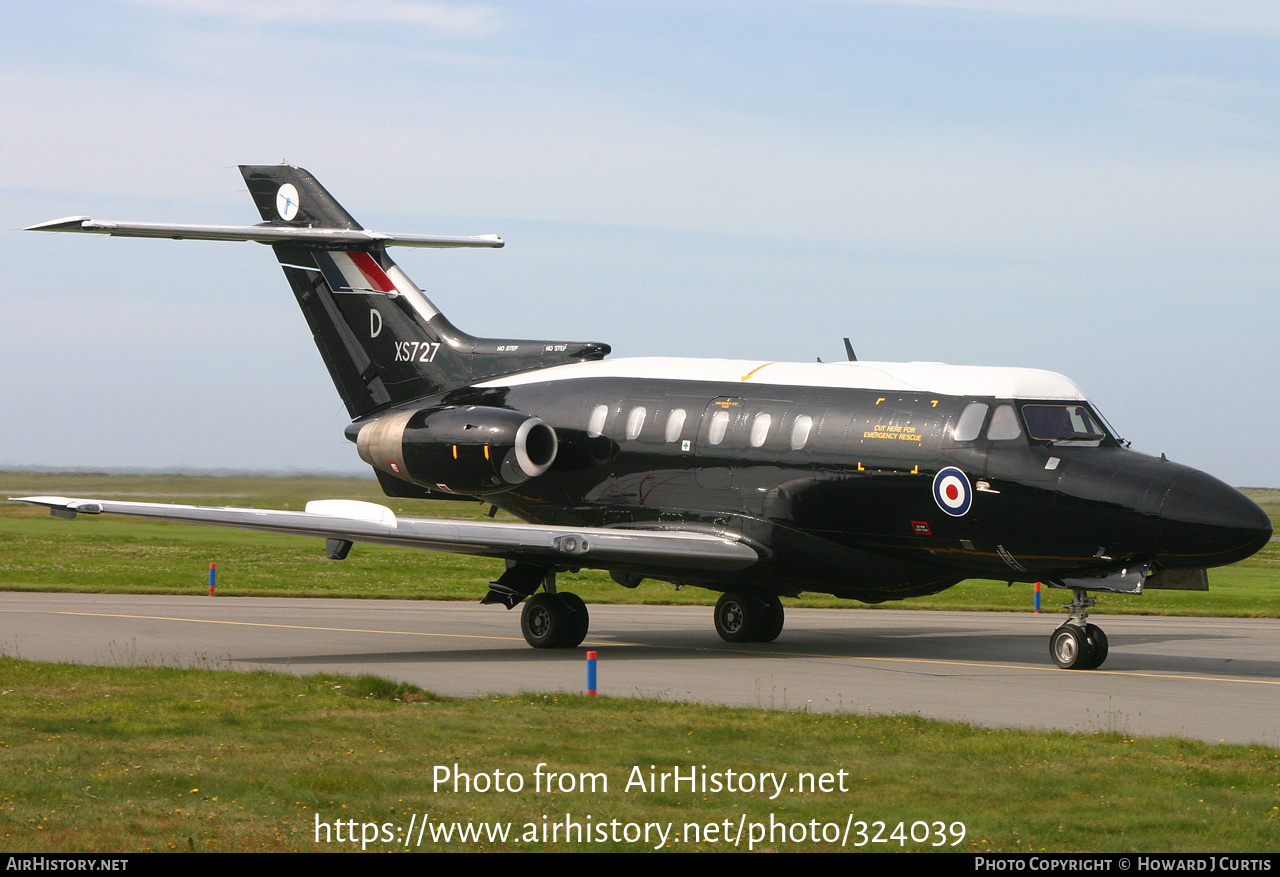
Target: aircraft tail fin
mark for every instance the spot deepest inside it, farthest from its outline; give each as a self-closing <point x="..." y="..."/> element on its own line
<point x="385" y="343"/>
<point x="286" y="194"/>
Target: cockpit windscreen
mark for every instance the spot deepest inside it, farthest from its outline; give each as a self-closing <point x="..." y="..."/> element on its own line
<point x="1062" y="424"/>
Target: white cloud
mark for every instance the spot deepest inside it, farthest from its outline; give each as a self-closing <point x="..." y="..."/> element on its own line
<point x="471" y="20"/>
<point x="1234" y="15"/>
<point x="1209" y="109"/>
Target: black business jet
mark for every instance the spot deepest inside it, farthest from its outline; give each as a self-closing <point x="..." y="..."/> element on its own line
<point x="871" y="481"/>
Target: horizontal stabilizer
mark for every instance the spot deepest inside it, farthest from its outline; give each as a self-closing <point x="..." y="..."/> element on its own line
<point x="577" y="547"/>
<point x="263" y="234"/>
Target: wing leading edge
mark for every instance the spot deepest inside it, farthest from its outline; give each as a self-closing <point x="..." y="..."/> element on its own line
<point x="586" y="547"/>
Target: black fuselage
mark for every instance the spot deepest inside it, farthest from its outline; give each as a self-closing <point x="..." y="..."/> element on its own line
<point x="837" y="486"/>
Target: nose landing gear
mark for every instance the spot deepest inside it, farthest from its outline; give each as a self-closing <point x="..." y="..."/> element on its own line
<point x="1078" y="645"/>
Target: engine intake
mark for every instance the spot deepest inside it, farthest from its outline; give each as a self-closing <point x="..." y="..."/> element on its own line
<point x="468" y="449"/>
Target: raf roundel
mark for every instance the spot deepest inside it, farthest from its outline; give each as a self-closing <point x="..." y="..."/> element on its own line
<point x="951" y="491"/>
<point x="287" y="202"/>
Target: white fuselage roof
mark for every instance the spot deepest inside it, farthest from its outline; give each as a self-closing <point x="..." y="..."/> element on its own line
<point x="909" y="377"/>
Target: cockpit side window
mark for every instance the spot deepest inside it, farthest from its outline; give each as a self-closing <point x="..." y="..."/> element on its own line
<point x="1062" y="424"/>
<point x="1004" y="424"/>
<point x="969" y="425"/>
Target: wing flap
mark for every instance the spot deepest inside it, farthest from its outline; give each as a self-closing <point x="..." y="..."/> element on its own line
<point x="588" y="547"/>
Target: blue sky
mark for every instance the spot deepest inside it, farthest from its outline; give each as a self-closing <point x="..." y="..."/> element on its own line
<point x="1087" y="187"/>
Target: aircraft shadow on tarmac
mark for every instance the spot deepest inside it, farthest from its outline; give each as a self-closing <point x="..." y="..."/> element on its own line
<point x="902" y="644"/>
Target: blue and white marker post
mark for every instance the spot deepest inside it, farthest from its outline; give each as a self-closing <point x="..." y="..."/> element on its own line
<point x="213" y="574"/>
<point x="591" y="674"/>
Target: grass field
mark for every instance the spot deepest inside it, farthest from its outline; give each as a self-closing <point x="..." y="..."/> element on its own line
<point x="138" y="759"/>
<point x="120" y="555"/>
<point x="110" y="759"/>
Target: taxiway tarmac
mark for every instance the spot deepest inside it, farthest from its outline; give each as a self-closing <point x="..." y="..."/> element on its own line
<point x="1212" y="679"/>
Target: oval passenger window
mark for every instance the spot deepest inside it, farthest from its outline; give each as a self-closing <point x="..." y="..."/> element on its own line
<point x="719" y="425"/>
<point x="760" y="429"/>
<point x="635" y="422"/>
<point x="800" y="432"/>
<point x="595" y="424"/>
<point x="675" y="424"/>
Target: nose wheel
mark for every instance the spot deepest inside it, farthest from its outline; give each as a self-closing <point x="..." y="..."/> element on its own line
<point x="1078" y="645"/>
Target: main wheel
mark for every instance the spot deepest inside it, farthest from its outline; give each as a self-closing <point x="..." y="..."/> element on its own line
<point x="579" y="621"/>
<point x="772" y="620"/>
<point x="544" y="621"/>
<point x="737" y="618"/>
<point x="1070" y="648"/>
<point x="1098" y="643"/>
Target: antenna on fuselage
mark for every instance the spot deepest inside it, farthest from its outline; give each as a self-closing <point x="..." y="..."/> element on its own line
<point x="848" y="348"/>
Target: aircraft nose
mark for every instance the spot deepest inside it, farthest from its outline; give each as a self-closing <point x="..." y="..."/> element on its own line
<point x="1205" y="523"/>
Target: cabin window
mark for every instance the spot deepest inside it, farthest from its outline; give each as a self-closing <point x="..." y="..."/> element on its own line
<point x="1062" y="423"/>
<point x="969" y="425"/>
<point x="635" y="422"/>
<point x="800" y="432"/>
<point x="675" y="424"/>
<point x="1004" y="424"/>
<point x="719" y="426"/>
<point x="760" y="429"/>
<point x="595" y="424"/>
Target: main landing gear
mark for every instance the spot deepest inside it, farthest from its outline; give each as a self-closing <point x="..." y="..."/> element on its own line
<point x="554" y="621"/>
<point x="1078" y="645"/>
<point x="743" y="618"/>
<point x="548" y="620"/>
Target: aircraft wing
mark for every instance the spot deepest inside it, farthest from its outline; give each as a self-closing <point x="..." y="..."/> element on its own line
<point x="263" y="234"/>
<point x="353" y="521"/>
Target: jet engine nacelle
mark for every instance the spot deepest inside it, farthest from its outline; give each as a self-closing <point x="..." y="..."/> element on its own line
<point x="468" y="449"/>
